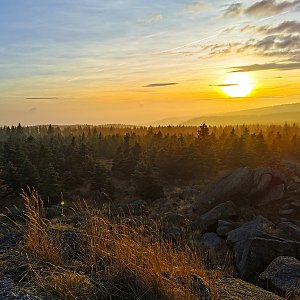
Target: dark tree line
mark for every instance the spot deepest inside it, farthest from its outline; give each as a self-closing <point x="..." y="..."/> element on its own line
<point x="58" y="160"/>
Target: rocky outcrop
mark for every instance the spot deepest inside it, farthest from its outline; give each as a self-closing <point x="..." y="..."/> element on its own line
<point x="243" y="182"/>
<point x="258" y="187"/>
<point x="226" y="188"/>
<point x="254" y="191"/>
<point x="233" y="288"/>
<point x="254" y="247"/>
<point x="283" y="276"/>
<point x="259" y="252"/>
<point x="264" y="178"/>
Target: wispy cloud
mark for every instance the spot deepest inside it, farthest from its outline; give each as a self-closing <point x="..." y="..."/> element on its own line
<point x="153" y="18"/>
<point x="270" y="7"/>
<point x="195" y="7"/>
<point x="267" y="66"/>
<point x="233" y="10"/>
<point x="41" y="98"/>
<point x="284" y="27"/>
<point x="264" y="8"/>
<point x="224" y="84"/>
<point x="160" y="84"/>
<point x="276" y="45"/>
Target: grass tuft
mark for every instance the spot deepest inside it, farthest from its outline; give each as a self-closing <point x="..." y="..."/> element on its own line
<point x="37" y="238"/>
<point x="121" y="260"/>
<point x="69" y="285"/>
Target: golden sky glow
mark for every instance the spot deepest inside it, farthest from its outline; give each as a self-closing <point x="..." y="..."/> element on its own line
<point x="136" y="61"/>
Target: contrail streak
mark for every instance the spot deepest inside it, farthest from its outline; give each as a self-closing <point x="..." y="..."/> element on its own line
<point x="189" y="44"/>
<point x="218" y="33"/>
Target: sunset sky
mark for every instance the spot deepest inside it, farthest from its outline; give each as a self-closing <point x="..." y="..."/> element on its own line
<point x="135" y="61"/>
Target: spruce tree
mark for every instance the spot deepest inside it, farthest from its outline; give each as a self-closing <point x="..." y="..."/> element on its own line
<point x="146" y="181"/>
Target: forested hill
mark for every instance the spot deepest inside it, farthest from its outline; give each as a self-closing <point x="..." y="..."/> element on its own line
<point x="58" y="160"/>
<point x="278" y="114"/>
<point x="231" y="119"/>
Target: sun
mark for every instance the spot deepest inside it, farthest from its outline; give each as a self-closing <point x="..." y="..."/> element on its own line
<point x="238" y="85"/>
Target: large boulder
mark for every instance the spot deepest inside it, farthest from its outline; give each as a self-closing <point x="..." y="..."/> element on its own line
<point x="265" y="177"/>
<point x="226" y="188"/>
<point x="259" y="252"/>
<point x="241" y="185"/>
<point x="259" y="226"/>
<point x="223" y="211"/>
<point x="236" y="289"/>
<point x="283" y="276"/>
<point x="255" y="247"/>
<point x="260" y="181"/>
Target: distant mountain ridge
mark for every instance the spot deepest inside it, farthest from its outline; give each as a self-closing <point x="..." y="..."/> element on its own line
<point x="283" y="108"/>
<point x="276" y="118"/>
<point x="278" y="114"/>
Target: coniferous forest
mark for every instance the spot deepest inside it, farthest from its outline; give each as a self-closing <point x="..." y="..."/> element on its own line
<point x="60" y="159"/>
<point x="171" y="213"/>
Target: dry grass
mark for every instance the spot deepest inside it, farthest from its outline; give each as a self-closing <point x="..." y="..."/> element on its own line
<point x="155" y="265"/>
<point x="37" y="238"/>
<point x="69" y="285"/>
<point x="119" y="261"/>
